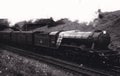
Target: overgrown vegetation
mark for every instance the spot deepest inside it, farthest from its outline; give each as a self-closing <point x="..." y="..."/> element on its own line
<point x="49" y="24"/>
<point x="4" y="24"/>
<point x="15" y="65"/>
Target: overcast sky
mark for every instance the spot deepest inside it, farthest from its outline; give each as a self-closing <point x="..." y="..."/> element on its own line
<point x="82" y="10"/>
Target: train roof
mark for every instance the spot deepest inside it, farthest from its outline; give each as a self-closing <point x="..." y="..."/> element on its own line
<point x="22" y="31"/>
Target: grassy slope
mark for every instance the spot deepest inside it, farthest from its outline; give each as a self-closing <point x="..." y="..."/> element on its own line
<point x="67" y="26"/>
<point x="14" y="65"/>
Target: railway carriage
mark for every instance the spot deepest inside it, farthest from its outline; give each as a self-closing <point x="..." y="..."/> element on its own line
<point x="29" y="37"/>
<point x="22" y="37"/>
<point x="5" y="36"/>
<point x="14" y="37"/>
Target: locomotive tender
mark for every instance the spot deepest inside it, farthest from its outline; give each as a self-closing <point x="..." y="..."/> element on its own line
<point x="93" y="40"/>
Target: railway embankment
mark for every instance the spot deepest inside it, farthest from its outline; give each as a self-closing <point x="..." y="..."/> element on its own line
<point x="12" y="64"/>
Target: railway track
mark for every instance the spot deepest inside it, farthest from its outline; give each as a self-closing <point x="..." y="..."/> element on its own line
<point x="116" y="69"/>
<point x="85" y="71"/>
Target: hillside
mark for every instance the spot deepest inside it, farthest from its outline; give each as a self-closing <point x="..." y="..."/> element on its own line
<point x="49" y="25"/>
<point x="67" y="25"/>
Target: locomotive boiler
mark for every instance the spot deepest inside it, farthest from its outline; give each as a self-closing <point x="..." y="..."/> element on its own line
<point x="93" y="40"/>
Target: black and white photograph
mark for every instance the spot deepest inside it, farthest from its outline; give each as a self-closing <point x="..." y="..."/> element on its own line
<point x="59" y="38"/>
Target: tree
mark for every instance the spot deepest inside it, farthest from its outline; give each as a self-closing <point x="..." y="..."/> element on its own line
<point x="4" y="24"/>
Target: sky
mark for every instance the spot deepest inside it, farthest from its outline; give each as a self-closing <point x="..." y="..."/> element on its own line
<point x="82" y="10"/>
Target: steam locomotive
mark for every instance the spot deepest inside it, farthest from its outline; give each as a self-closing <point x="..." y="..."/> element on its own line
<point x="94" y="40"/>
<point x="93" y="44"/>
